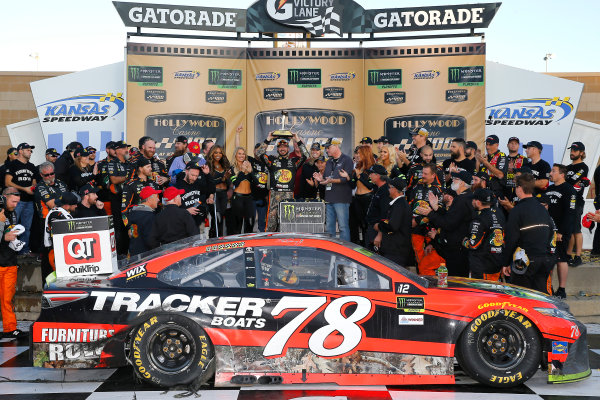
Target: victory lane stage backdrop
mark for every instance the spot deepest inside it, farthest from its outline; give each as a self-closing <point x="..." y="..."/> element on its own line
<point x="208" y="92"/>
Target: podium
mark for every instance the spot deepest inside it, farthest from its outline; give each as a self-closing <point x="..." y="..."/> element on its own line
<point x="84" y="246"/>
<point x="302" y="217"/>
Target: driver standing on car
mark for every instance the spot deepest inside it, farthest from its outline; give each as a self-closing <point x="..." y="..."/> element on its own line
<point x="282" y="169"/>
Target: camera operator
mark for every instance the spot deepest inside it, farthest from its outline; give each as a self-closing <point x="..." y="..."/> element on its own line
<point x="8" y="263"/>
<point x="198" y="188"/>
<point x="68" y="203"/>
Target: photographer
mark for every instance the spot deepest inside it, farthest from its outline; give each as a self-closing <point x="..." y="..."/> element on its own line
<point x="198" y="189"/>
<point x="8" y="263"/>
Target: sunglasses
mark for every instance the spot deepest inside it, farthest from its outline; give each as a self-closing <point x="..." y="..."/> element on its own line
<point x="14" y="154"/>
<point x="47" y="175"/>
<point x="13" y="194"/>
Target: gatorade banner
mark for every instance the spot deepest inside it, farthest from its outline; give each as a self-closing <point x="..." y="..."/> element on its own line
<point x="197" y="92"/>
<point x="316" y="93"/>
<point x="439" y="88"/>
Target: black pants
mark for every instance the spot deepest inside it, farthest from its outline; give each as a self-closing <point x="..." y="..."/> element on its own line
<point x="121" y="236"/>
<point x="217" y="218"/>
<point x="242" y="213"/>
<point x="536" y="276"/>
<point x="36" y="238"/>
<point x="46" y="267"/>
<point x="358" y="218"/>
<point x="457" y="261"/>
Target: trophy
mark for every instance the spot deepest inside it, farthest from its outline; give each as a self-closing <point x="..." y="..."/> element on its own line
<point x="283" y="133"/>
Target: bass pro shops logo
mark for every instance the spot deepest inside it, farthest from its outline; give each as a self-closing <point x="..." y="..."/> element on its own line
<point x="87" y="107"/>
<point x="316" y="16"/>
<point x="538" y="111"/>
<point x="83" y="248"/>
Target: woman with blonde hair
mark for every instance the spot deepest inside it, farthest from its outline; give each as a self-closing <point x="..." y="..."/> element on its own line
<point x="242" y="203"/>
<point x="219" y="172"/>
<point x="387" y="158"/>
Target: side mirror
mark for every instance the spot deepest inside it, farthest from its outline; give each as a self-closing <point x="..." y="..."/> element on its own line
<point x="349" y="274"/>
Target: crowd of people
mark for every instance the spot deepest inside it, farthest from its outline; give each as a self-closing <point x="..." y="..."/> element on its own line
<point x="481" y="214"/>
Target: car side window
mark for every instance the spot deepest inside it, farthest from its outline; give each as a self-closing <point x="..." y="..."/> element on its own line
<point x="309" y="268"/>
<point x="225" y="269"/>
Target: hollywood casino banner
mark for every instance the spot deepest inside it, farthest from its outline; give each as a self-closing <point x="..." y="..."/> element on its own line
<point x="439" y="88"/>
<point x="319" y="90"/>
<point x="197" y="92"/>
<point x="86" y="106"/>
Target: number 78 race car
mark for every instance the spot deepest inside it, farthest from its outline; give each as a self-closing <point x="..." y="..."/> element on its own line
<point x="282" y="308"/>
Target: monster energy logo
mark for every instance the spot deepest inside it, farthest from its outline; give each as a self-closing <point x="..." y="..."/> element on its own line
<point x="71" y="225"/>
<point x="454" y="74"/>
<point x="410" y="304"/>
<point x="373" y="77"/>
<point x="294" y="75"/>
<point x="466" y="76"/>
<point x="145" y="76"/>
<point x="385" y="78"/>
<point x="225" y="78"/>
<point x="304" y="77"/>
<point x="214" y="76"/>
<point x="134" y="73"/>
<point x="289" y="212"/>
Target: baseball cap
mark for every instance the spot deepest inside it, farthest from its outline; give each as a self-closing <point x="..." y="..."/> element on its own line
<point x="171" y="192"/>
<point x="482" y="175"/>
<point x="196" y="164"/>
<point x="315" y="146"/>
<point x="11" y="150"/>
<point x="69" y="199"/>
<point x="120" y="145"/>
<point x="80" y="152"/>
<point x="52" y="152"/>
<point x="420" y="131"/>
<point x="543" y="198"/>
<point x="577" y="146"/>
<point x="399" y="183"/>
<point x="194" y="147"/>
<point x="513" y="139"/>
<point x="322" y="158"/>
<point x="142" y="162"/>
<point x="331" y="141"/>
<point x="492" y="139"/>
<point x="464" y="176"/>
<point x="109" y="144"/>
<point x="377" y="169"/>
<point x="87" y="189"/>
<point x="471" y="145"/>
<point x="366" y="140"/>
<point x="520" y="261"/>
<point x="534" y="143"/>
<point x="450" y="192"/>
<point x="181" y="139"/>
<point x="91" y="149"/>
<point x="73" y="145"/>
<point x="148" y="191"/>
<point x="24" y="146"/>
<point x="484" y="195"/>
<point x="382" y="139"/>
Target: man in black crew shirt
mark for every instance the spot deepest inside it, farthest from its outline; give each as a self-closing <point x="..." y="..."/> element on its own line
<point x="62" y="164"/>
<point x="562" y="206"/>
<point x="457" y="160"/>
<point x="495" y="164"/>
<point x="22" y="175"/>
<point x="515" y="162"/>
<point x="530" y="230"/>
<point x="577" y="173"/>
<point x="89" y="206"/>
<point x="379" y="202"/>
<point x="539" y="168"/>
<point x="195" y="181"/>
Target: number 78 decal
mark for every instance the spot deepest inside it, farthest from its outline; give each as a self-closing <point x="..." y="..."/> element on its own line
<point x="347" y="326"/>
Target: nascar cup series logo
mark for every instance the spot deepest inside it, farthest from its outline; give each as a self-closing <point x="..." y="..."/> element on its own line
<point x="268" y="76"/>
<point x="429" y="74"/>
<point x="316" y="16"/>
<point x="342" y="76"/>
<point x="87" y="107"/>
<point x="538" y="111"/>
<point x="186" y="74"/>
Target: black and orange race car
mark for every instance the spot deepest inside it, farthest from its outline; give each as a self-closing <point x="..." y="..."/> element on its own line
<point x="299" y="308"/>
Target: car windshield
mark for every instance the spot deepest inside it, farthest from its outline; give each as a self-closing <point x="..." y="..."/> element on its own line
<point x="392" y="265"/>
<point x="189" y="242"/>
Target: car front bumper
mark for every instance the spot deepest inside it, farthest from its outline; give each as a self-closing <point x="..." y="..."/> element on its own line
<point x="571" y="365"/>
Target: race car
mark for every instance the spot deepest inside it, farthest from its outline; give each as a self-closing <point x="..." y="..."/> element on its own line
<point x="297" y="308"/>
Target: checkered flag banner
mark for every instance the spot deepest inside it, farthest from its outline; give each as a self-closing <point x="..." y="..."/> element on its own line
<point x="328" y="23"/>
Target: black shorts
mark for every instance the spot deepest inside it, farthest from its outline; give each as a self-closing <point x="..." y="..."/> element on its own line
<point x="561" y="249"/>
<point x="577" y="223"/>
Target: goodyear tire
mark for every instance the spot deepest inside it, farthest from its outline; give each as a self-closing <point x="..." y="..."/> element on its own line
<point x="171" y="350"/>
<point x="500" y="348"/>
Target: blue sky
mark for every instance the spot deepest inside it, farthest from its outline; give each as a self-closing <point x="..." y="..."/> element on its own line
<point x="69" y="35"/>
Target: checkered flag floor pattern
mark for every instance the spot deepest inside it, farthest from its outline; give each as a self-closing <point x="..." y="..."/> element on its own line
<point x="20" y="381"/>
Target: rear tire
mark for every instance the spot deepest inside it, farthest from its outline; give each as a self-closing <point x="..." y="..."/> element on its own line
<point x="500" y="348"/>
<point x="170" y="350"/>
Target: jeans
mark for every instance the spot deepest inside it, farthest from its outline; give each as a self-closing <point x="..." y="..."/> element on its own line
<point x="341" y="213"/>
<point x="24" y="213"/>
<point x="261" y="210"/>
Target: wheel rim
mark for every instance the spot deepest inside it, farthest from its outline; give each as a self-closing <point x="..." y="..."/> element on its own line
<point x="171" y="349"/>
<point x="501" y="345"/>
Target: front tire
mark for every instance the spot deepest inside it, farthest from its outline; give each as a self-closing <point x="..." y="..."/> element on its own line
<point x="500" y="348"/>
<point x="170" y="350"/>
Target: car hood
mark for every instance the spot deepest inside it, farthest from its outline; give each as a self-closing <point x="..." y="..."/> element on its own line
<point x="499" y="288"/>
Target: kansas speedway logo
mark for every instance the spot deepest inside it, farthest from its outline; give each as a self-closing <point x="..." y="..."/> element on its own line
<point x="342" y="76"/>
<point x="457" y="95"/>
<point x="429" y="74"/>
<point x="333" y="93"/>
<point x="186" y="74"/>
<point x="216" y="97"/>
<point x="155" y="95"/>
<point x="395" y="97"/>
<point x="274" y="94"/>
<point x="268" y="76"/>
